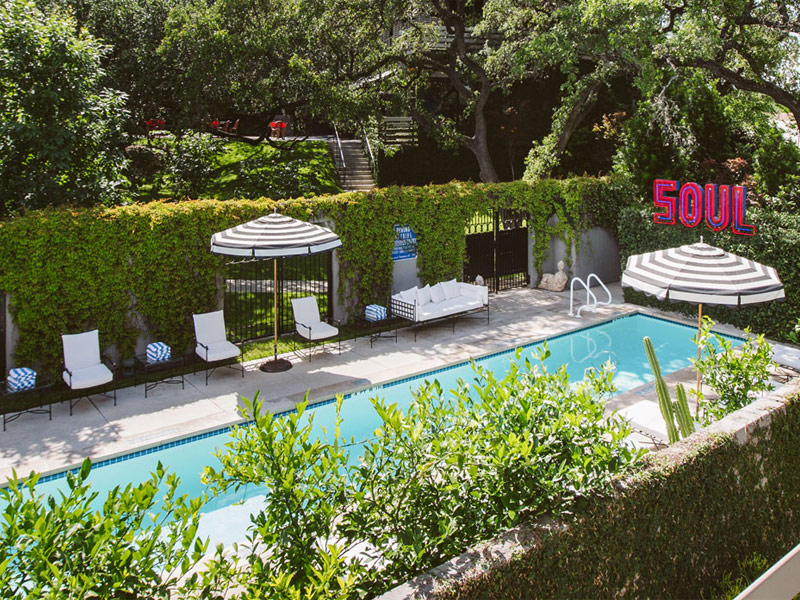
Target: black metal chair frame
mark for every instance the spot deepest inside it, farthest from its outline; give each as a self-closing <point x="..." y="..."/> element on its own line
<point x="45" y="409"/>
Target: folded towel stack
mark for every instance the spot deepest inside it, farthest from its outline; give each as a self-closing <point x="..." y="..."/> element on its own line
<point x="157" y="352"/>
<point x="375" y="312"/>
<point x="20" y="379"/>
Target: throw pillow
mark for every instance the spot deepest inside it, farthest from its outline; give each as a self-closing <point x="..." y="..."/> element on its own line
<point x="409" y="296"/>
<point x="424" y="295"/>
<point x="450" y="289"/>
<point x="437" y="294"/>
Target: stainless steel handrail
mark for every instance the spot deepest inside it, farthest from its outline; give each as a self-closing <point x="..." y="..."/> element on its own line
<point x="343" y="167"/>
<point x="371" y="157"/>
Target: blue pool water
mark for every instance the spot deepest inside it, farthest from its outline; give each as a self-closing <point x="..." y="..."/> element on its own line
<point x="619" y="340"/>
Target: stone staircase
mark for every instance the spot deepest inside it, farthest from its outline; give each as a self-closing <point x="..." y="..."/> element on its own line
<point x="357" y="176"/>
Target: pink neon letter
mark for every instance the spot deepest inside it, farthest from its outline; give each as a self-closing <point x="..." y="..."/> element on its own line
<point x="660" y="200"/>
<point x="690" y="201"/>
<point x="739" y="208"/>
<point x="718" y="211"/>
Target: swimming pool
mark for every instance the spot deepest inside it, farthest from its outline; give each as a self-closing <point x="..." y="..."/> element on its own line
<point x="619" y="340"/>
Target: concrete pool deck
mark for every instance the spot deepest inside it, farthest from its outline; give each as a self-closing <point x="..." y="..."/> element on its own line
<point x="100" y="430"/>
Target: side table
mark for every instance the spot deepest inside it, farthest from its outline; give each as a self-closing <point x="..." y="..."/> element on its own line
<point x="374" y="329"/>
<point x="166" y="368"/>
<point x="22" y="396"/>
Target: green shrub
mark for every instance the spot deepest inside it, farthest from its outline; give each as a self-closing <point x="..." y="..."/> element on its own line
<point x="674" y="529"/>
<point x="732" y="374"/>
<point x="456" y="468"/>
<point x="137" y="542"/>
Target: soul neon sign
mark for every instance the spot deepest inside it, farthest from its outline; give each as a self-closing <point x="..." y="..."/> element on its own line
<point x="720" y="206"/>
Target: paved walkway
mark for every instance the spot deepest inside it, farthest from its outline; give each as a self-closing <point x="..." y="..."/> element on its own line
<point x="99" y="429"/>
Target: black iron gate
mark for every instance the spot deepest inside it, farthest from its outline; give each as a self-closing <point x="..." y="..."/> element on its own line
<point x="497" y="249"/>
<point x="249" y="295"/>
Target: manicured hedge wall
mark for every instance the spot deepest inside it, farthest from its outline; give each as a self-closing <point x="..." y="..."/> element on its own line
<point x="68" y="270"/>
<point x="672" y="531"/>
<point x="776" y="243"/>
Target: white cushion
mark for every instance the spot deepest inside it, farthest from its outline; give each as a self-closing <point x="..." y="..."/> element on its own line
<point x="479" y="292"/>
<point x="410" y="295"/>
<point x="437" y="293"/>
<point x="447" y="308"/>
<point x="218" y="351"/>
<point x="88" y="377"/>
<point x="305" y="310"/>
<point x="450" y="289"/>
<point x="424" y="295"/>
<point x="209" y="328"/>
<point x="319" y="331"/>
<point x="81" y="350"/>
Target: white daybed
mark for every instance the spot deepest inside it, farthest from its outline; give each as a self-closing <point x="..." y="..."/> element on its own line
<point x="447" y="299"/>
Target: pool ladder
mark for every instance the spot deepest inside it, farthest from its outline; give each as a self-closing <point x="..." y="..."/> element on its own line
<point x="591" y="299"/>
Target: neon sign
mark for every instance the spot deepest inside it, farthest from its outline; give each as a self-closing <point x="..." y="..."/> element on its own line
<point x="719" y="206"/>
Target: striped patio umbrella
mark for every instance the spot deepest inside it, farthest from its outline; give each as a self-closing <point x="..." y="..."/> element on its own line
<point x="702" y="274"/>
<point x="274" y="236"/>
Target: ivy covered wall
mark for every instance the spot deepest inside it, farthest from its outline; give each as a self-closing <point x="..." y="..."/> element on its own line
<point x="125" y="269"/>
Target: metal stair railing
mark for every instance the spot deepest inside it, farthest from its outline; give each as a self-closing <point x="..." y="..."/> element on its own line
<point x="370" y="157"/>
<point x="342" y="167"/>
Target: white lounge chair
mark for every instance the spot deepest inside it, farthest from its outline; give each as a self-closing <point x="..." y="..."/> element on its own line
<point x="212" y="342"/>
<point x="308" y="324"/>
<point x="84" y="369"/>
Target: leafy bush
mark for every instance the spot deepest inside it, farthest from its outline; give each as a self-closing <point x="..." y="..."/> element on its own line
<point x="68" y="548"/>
<point x="60" y="131"/>
<point x="732" y="374"/>
<point x="190" y="164"/>
<point x="455" y="468"/>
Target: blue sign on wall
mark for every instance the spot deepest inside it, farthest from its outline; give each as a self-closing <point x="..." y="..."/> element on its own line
<point x="405" y="243"/>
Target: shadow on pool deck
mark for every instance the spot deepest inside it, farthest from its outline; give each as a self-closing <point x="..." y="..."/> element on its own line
<point x="99" y="429"/>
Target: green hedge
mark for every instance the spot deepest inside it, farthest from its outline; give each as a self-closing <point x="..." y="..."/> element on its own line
<point x="776" y="243"/>
<point x="672" y="531"/>
<point x="68" y="270"/>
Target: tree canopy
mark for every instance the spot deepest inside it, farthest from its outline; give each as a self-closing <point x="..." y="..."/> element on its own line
<point x="60" y="130"/>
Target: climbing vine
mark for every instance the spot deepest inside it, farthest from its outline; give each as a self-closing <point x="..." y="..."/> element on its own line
<point x="148" y="267"/>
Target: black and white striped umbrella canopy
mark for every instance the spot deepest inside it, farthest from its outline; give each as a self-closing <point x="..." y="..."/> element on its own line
<point x="702" y="274"/>
<point x="274" y="236"/>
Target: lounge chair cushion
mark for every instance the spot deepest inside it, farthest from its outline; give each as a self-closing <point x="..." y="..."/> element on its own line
<point x="437" y="293"/>
<point x="319" y="331"/>
<point x="218" y="351"/>
<point x="88" y="377"/>
<point x="209" y="328"/>
<point x="81" y="350"/>
<point x="424" y="295"/>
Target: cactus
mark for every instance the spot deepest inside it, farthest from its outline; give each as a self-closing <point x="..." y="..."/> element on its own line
<point x="670" y="410"/>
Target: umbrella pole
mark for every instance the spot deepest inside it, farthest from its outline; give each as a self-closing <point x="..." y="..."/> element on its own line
<point x="275" y="306"/>
<point x="276" y="365"/>
<point x="699" y="328"/>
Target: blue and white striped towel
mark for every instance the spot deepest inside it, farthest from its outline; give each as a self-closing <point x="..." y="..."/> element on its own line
<point x="375" y="312"/>
<point x="157" y="352"/>
<point x="21" y="378"/>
